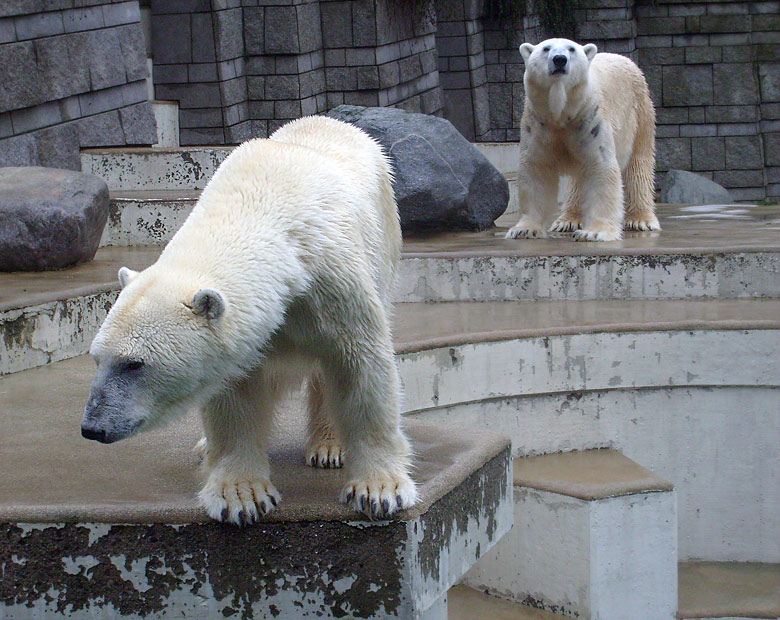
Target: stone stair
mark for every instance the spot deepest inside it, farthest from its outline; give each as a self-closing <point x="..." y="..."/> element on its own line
<point x="657" y="351"/>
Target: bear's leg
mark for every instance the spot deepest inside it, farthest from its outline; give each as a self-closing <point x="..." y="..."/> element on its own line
<point x="602" y="200"/>
<point x="361" y="386"/>
<point x="538" y="198"/>
<point x="236" y="423"/>
<point x="571" y="218"/>
<point x="638" y="184"/>
<point x="322" y="448"/>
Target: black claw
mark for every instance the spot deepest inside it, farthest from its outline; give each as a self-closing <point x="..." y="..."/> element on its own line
<point x="363" y="503"/>
<point x="398" y="501"/>
<point x="386" y="506"/>
<point x="273" y="500"/>
<point x="224" y="514"/>
<point x="325" y="464"/>
<point x="350" y="495"/>
<point x="262" y="507"/>
<point x="374" y="507"/>
<point x="314" y="461"/>
<point x="241" y="517"/>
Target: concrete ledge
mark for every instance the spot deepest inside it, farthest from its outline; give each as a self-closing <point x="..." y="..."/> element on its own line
<point x="587" y="475"/>
<point x="468" y="604"/>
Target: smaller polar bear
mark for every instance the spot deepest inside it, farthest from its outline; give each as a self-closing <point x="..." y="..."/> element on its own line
<point x="282" y="272"/>
<point x="589" y="116"/>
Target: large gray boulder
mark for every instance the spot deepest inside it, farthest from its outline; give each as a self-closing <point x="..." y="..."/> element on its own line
<point x="49" y="218"/>
<point x="441" y="180"/>
<point x="681" y="187"/>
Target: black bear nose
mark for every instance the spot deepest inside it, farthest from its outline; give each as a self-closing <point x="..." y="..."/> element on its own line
<point x="93" y="433"/>
<point x="559" y="60"/>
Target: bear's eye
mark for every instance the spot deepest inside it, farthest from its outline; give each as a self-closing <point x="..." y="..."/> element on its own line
<point x="134" y="365"/>
<point x="546" y="49"/>
<point x="571" y="49"/>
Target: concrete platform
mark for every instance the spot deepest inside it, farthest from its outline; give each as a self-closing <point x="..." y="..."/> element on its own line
<point x="466" y="603"/>
<point x="595" y="537"/>
<point x="97" y="531"/>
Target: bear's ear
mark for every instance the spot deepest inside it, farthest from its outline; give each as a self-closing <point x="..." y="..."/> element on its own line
<point x="526" y="49"/>
<point x="126" y="276"/>
<point x="590" y="50"/>
<point x="208" y="302"/>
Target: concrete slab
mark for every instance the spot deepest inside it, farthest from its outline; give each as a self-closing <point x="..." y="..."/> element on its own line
<point x="146" y="218"/>
<point x="113" y="531"/>
<point x="469" y="604"/>
<point x="729" y="590"/>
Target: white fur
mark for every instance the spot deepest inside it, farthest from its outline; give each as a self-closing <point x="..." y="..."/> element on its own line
<point x="283" y="271"/>
<point x="596" y="123"/>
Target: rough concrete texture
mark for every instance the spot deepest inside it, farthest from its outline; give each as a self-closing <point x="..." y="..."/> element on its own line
<point x="146" y="218"/>
<point x="66" y="553"/>
<point x="466" y="603"/>
<point x="154" y="169"/>
<point x="49" y="218"/>
<point x="680" y="186"/>
<point x="608" y="559"/>
<point x="729" y="590"/>
<point x="441" y="181"/>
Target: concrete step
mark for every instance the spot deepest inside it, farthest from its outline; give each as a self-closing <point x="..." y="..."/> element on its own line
<point x="595" y="537"/>
<point x="728" y="590"/>
<point x="146" y="218"/>
<point x="466" y="603"/>
<point x="93" y="530"/>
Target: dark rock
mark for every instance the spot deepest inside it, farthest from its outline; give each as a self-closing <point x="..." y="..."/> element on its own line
<point x="49" y="218"/>
<point x="441" y="180"/>
<point x="681" y="187"/>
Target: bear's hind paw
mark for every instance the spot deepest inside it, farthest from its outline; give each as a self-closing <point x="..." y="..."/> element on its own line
<point x="597" y="235"/>
<point x="380" y="496"/>
<point x="646" y="223"/>
<point x="239" y="502"/>
<point x="325" y="454"/>
<point x="565" y="224"/>
<point x="524" y="232"/>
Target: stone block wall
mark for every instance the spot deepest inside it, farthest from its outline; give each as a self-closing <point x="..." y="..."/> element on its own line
<point x="242" y="68"/>
<point x="714" y="73"/>
<point x="72" y="75"/>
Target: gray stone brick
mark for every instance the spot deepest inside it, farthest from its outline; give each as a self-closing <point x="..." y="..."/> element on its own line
<point x="731" y="114"/>
<point x="229" y="34"/>
<point x="78" y="20"/>
<point x="336" y="24"/>
<point x="58" y="147"/>
<point x="336" y="99"/>
<point x="410" y="68"/>
<point x="340" y="78"/>
<point x="749" y="194"/>
<point x="282" y="87"/>
<point x="739" y="178"/>
<point x="19" y="151"/>
<point x="204" y="135"/>
<point x="6" y="127"/>
<point x="768" y="126"/>
<point x="104" y="44"/>
<point x="771" y="149"/>
<point x="737" y="129"/>
<point x="36" y="117"/>
<point x="743" y="152"/>
<point x="452" y="46"/>
<point x="7" y="30"/>
<point x="362" y="98"/>
<point x="261" y="109"/>
<point x="241" y="132"/>
<point x="62" y="75"/>
<point x="769" y="22"/>
<point x="364" y="24"/>
<point x="685" y="10"/>
<point x="254" y="30"/>
<point x="335" y="58"/>
<point x="673" y="153"/>
<point x="687" y="85"/>
<point x="286" y="64"/>
<point x="38" y="25"/>
<point x="172" y="42"/>
<point x="281" y="30"/>
<point x="100" y="101"/>
<point x="233" y="91"/>
<point x="203" y="46"/>
<point x="131" y="42"/>
<point x="696" y="114"/>
<point x="116" y="14"/>
<point x="767" y="52"/>
<point x="234" y="114"/>
<point x="654" y="41"/>
<point x="773" y="174"/>
<point x="230" y="69"/>
<point x="654" y="83"/>
<point x="135" y="92"/>
<point x="500" y="105"/>
<point x="100" y="130"/>
<point x="702" y="55"/>
<point x="190" y="95"/>
<point x="389" y="75"/>
<point x="22" y="85"/>
<point x="287" y="109"/>
<point x="738" y="53"/>
<point x="729" y="8"/>
<point x="205" y="72"/>
<point x="708" y="153"/>
<point x="769" y="81"/>
<point x="160" y="7"/>
<point x="725" y="23"/>
<point x="600" y="30"/>
<point x="730" y="39"/>
<point x="667" y="131"/>
<point x="387" y="53"/>
<point x="735" y="83"/>
<point x="367" y="78"/>
<point x="431" y="101"/>
<point x="497" y="73"/>
<point x="273" y="125"/>
<point x="312" y="83"/>
<point x="138" y="124"/>
<point x="661" y="56"/>
<point x="459" y="80"/>
<point x="255" y="86"/>
<point x="309" y="29"/>
<point x="698" y="131"/>
<point x="428" y="61"/>
<point x="260" y="65"/>
<point x="360" y="56"/>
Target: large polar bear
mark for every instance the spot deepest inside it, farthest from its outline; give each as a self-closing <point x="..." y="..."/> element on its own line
<point x="283" y="269"/>
<point x="589" y="116"/>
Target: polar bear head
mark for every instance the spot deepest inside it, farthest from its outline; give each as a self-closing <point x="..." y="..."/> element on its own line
<point x="160" y="351"/>
<point x="557" y="60"/>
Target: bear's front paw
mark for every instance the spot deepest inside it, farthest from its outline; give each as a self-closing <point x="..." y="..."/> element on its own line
<point x="566" y="223"/>
<point x="326" y="454"/>
<point x="380" y="495"/>
<point x="597" y="235"/>
<point x="239" y="501"/>
<point x="522" y="230"/>
<point x="649" y="222"/>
